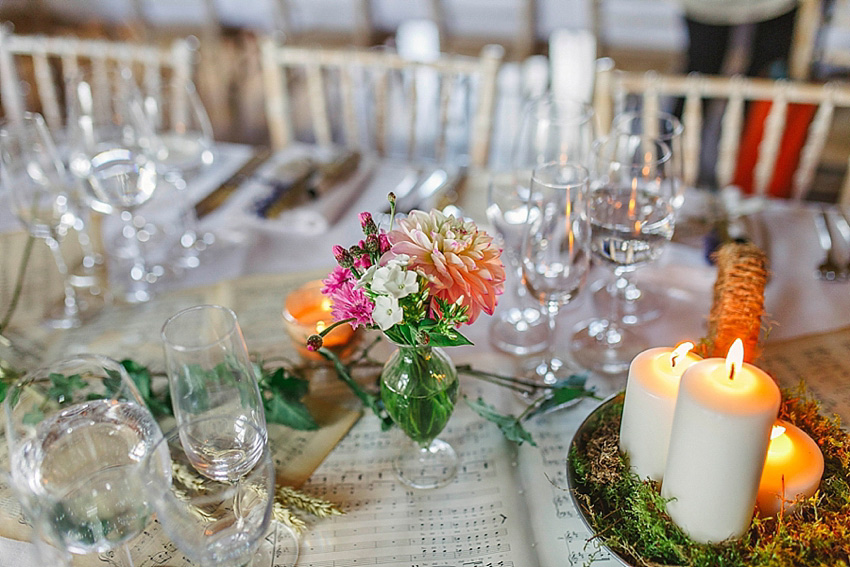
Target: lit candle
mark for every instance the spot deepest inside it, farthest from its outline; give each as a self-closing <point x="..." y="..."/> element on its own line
<point x="721" y="430"/>
<point x="792" y="469"/>
<point x="648" y="407"/>
<point x="306" y="311"/>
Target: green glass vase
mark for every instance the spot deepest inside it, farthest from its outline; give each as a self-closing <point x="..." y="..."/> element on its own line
<point x="419" y="387"/>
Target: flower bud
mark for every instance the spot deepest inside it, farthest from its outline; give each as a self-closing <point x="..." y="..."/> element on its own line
<point x="314" y="342"/>
<point x="373" y="244"/>
<point x="368" y="225"/>
<point x="343" y="256"/>
<point x="391" y="198"/>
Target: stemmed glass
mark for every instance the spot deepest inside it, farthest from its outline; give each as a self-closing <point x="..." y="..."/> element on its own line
<point x="41" y="198"/>
<point x="642" y="304"/>
<point x="522" y="328"/>
<point x="556" y="255"/>
<point x="218" y="522"/>
<point x="210" y="374"/>
<point x="107" y="148"/>
<point x="78" y="433"/>
<point x="182" y="146"/>
<point x="551" y="129"/>
<point x="632" y="213"/>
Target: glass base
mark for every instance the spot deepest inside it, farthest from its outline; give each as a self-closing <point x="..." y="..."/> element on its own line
<point x="547" y="372"/>
<point x="424" y="468"/>
<point x="61" y="317"/>
<point x="520" y="331"/>
<point x="602" y="347"/>
<point x="635" y="304"/>
<point x="280" y="547"/>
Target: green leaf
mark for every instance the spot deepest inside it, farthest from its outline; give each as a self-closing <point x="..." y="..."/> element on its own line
<point x="141" y="377"/>
<point x="291" y="413"/>
<point x="563" y="392"/>
<point x="510" y="426"/>
<point x="447" y="340"/>
<point x="4" y="387"/>
<point x="62" y="387"/>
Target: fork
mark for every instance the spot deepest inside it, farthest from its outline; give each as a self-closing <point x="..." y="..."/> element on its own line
<point x="829" y="269"/>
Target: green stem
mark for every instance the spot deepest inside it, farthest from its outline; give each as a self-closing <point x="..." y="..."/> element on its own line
<point x="19" y="284"/>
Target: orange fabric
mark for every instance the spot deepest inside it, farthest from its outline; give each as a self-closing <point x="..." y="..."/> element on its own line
<point x="797" y="125"/>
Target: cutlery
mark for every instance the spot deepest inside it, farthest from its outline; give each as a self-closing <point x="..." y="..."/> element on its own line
<point x="425" y="185"/>
<point x="223" y="192"/>
<point x="829" y="269"/>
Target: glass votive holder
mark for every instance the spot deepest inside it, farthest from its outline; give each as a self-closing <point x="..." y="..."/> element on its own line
<point x="307" y="312"/>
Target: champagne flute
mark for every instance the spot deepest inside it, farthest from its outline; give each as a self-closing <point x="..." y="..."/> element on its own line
<point x="551" y="129"/>
<point x="632" y="213"/>
<point x="215" y="523"/>
<point x="78" y="433"/>
<point x="41" y="198"/>
<point x="556" y="255"/>
<point x="108" y="152"/>
<point x="642" y="304"/>
<point x="210" y="374"/>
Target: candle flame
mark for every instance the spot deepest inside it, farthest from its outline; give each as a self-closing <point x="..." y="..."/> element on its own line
<point x="680" y="351"/>
<point x="776" y="431"/>
<point x="734" y="358"/>
<point x="320" y="326"/>
<point x="326" y="304"/>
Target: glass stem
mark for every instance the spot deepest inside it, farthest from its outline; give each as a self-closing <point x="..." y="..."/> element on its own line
<point x="128" y="559"/>
<point x="71" y="307"/>
<point x="139" y="270"/>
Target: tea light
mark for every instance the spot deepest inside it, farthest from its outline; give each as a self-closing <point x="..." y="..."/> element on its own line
<point x="724" y="413"/>
<point x="648" y="407"/>
<point x="306" y="311"/>
<point x="792" y="469"/>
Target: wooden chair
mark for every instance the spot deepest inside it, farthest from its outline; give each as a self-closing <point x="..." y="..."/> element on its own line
<point x="351" y="96"/>
<point x="54" y="60"/>
<point x="615" y="90"/>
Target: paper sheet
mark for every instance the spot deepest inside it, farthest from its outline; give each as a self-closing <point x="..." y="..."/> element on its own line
<point x="822" y="361"/>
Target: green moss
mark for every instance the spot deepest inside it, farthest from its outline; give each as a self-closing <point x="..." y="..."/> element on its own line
<point x="628" y="514"/>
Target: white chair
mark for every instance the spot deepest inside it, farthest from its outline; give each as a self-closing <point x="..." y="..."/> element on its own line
<point x="368" y="99"/>
<point x="54" y="60"/>
<point x="614" y="90"/>
<point x="521" y="45"/>
<point x="361" y="29"/>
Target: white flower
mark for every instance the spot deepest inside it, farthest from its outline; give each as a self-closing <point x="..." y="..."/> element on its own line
<point x="387" y="311"/>
<point x="366" y="278"/>
<point x="393" y="279"/>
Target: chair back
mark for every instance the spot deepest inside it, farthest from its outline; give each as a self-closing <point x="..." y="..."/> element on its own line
<point x="370" y="99"/>
<point x="616" y="90"/>
<point x="54" y="60"/>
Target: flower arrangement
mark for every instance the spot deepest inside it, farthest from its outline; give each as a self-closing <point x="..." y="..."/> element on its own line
<point x="418" y="282"/>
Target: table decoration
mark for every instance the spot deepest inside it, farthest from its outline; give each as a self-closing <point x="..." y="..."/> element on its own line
<point x="792" y="469"/>
<point x="306" y="311"/>
<point x="650" y="401"/>
<point x="630" y="516"/>
<point x="721" y="431"/>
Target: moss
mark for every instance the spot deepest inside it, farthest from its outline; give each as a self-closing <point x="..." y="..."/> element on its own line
<point x="628" y="514"/>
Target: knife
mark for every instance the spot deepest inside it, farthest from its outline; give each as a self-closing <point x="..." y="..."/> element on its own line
<point x="223" y="192"/>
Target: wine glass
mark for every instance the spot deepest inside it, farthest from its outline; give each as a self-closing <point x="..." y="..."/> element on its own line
<point x="522" y="328"/>
<point x="41" y="198"/>
<point x="556" y="255"/>
<point x="642" y="304"/>
<point x="216" y="522"/>
<point x="108" y="151"/>
<point x="182" y="146"/>
<point x="210" y="374"/>
<point x="78" y="433"/>
<point x="632" y="213"/>
<point x="551" y="129"/>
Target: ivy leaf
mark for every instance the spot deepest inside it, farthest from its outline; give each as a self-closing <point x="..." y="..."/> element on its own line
<point x="62" y="387"/>
<point x="452" y="338"/>
<point x="4" y="387"/>
<point x="563" y="392"/>
<point x="510" y="426"/>
<point x="141" y="377"/>
<point x="282" y="396"/>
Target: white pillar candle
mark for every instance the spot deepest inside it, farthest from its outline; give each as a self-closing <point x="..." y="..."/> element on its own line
<point x="648" y="407"/>
<point x="721" y="430"/>
<point x="793" y="468"/>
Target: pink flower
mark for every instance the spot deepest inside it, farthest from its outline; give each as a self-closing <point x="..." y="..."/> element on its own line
<point x="458" y="260"/>
<point x="347" y="301"/>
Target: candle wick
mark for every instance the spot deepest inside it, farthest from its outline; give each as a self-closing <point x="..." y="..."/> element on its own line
<point x="673" y="360"/>
<point x="732" y="372"/>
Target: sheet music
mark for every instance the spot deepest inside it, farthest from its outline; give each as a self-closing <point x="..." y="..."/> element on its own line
<point x="821" y="360"/>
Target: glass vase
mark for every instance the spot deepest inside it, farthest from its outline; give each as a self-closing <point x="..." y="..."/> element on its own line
<point x="419" y="387"/>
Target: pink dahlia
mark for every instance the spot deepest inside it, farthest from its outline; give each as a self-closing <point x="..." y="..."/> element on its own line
<point x="347" y="301"/>
<point x="457" y="259"/>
